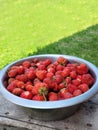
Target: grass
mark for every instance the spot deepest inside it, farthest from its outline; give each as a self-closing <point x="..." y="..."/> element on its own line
<point x="29" y="27"/>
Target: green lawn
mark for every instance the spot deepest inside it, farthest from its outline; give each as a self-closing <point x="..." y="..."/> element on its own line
<point x="29" y="27"/>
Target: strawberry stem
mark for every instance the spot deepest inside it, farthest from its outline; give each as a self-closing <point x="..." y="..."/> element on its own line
<point x="44" y="97"/>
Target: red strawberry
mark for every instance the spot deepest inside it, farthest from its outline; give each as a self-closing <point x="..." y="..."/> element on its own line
<point x="20" y="84"/>
<point x="82" y="69"/>
<point x="40" y="88"/>
<point x="48" y="81"/>
<point x="58" y="72"/>
<point x="77" y="92"/>
<point x="58" y="78"/>
<point x="20" y="69"/>
<point x="22" y="77"/>
<point x="87" y="78"/>
<point x="39" y="98"/>
<point x="41" y="67"/>
<point x="26" y="95"/>
<point x="73" y="74"/>
<point x="29" y="87"/>
<point x="41" y="74"/>
<point x="66" y="72"/>
<point x="68" y="95"/>
<point x="52" y="96"/>
<point x="76" y="82"/>
<point x="30" y="74"/>
<point x="61" y="60"/>
<point x="54" y="86"/>
<point x="26" y="64"/>
<point x="49" y="75"/>
<point x="35" y="60"/>
<point x="11" y="87"/>
<point x="67" y="80"/>
<point x="64" y="93"/>
<point x="12" y="73"/>
<point x="17" y="91"/>
<point x="10" y="80"/>
<point x="62" y="85"/>
<point x="59" y="67"/>
<point x="51" y="69"/>
<point x="79" y="77"/>
<point x="28" y="83"/>
<point x="83" y="87"/>
<point x="47" y="62"/>
<point x="36" y="80"/>
<point x="13" y="67"/>
<point x="71" y="87"/>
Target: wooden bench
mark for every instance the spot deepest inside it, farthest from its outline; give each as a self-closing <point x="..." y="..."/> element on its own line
<point x="15" y="117"/>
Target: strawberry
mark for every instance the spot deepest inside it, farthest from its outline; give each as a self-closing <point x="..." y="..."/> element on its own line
<point x="29" y="87"/>
<point x="28" y="83"/>
<point x="79" y="78"/>
<point x="77" y="92"/>
<point x="48" y="81"/>
<point x="61" y="85"/>
<point x="41" y="74"/>
<point x="40" y="88"/>
<point x="73" y="74"/>
<point x="38" y="98"/>
<point x="59" y="67"/>
<point x="51" y="69"/>
<point x="12" y="73"/>
<point x="58" y="78"/>
<point x="36" y="80"/>
<point x="20" y="84"/>
<point x="76" y="82"/>
<point x="82" y="69"/>
<point x="67" y="80"/>
<point x="53" y="86"/>
<point x="83" y="87"/>
<point x="88" y="79"/>
<point x="66" y="72"/>
<point x="49" y="75"/>
<point x="68" y="95"/>
<point x="10" y="80"/>
<point x="58" y="72"/>
<point x="65" y="94"/>
<point x="52" y="96"/>
<point x="41" y="67"/>
<point x="61" y="60"/>
<point x="13" y="67"/>
<point x="26" y="95"/>
<point x="26" y="64"/>
<point x="35" y="60"/>
<point x="22" y="77"/>
<point x="17" y="91"/>
<point x="10" y="87"/>
<point x="62" y="93"/>
<point x="20" y="69"/>
<point x="71" y="87"/>
<point x="47" y="62"/>
<point x="31" y="74"/>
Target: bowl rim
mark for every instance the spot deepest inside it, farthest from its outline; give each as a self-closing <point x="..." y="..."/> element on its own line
<point x="49" y="104"/>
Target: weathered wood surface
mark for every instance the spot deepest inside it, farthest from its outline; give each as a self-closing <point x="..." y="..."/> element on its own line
<point x="86" y="118"/>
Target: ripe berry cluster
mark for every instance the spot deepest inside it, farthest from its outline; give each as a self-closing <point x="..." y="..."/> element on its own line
<point x="44" y="80"/>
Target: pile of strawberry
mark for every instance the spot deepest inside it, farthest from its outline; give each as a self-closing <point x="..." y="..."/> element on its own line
<point x="44" y="80"/>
